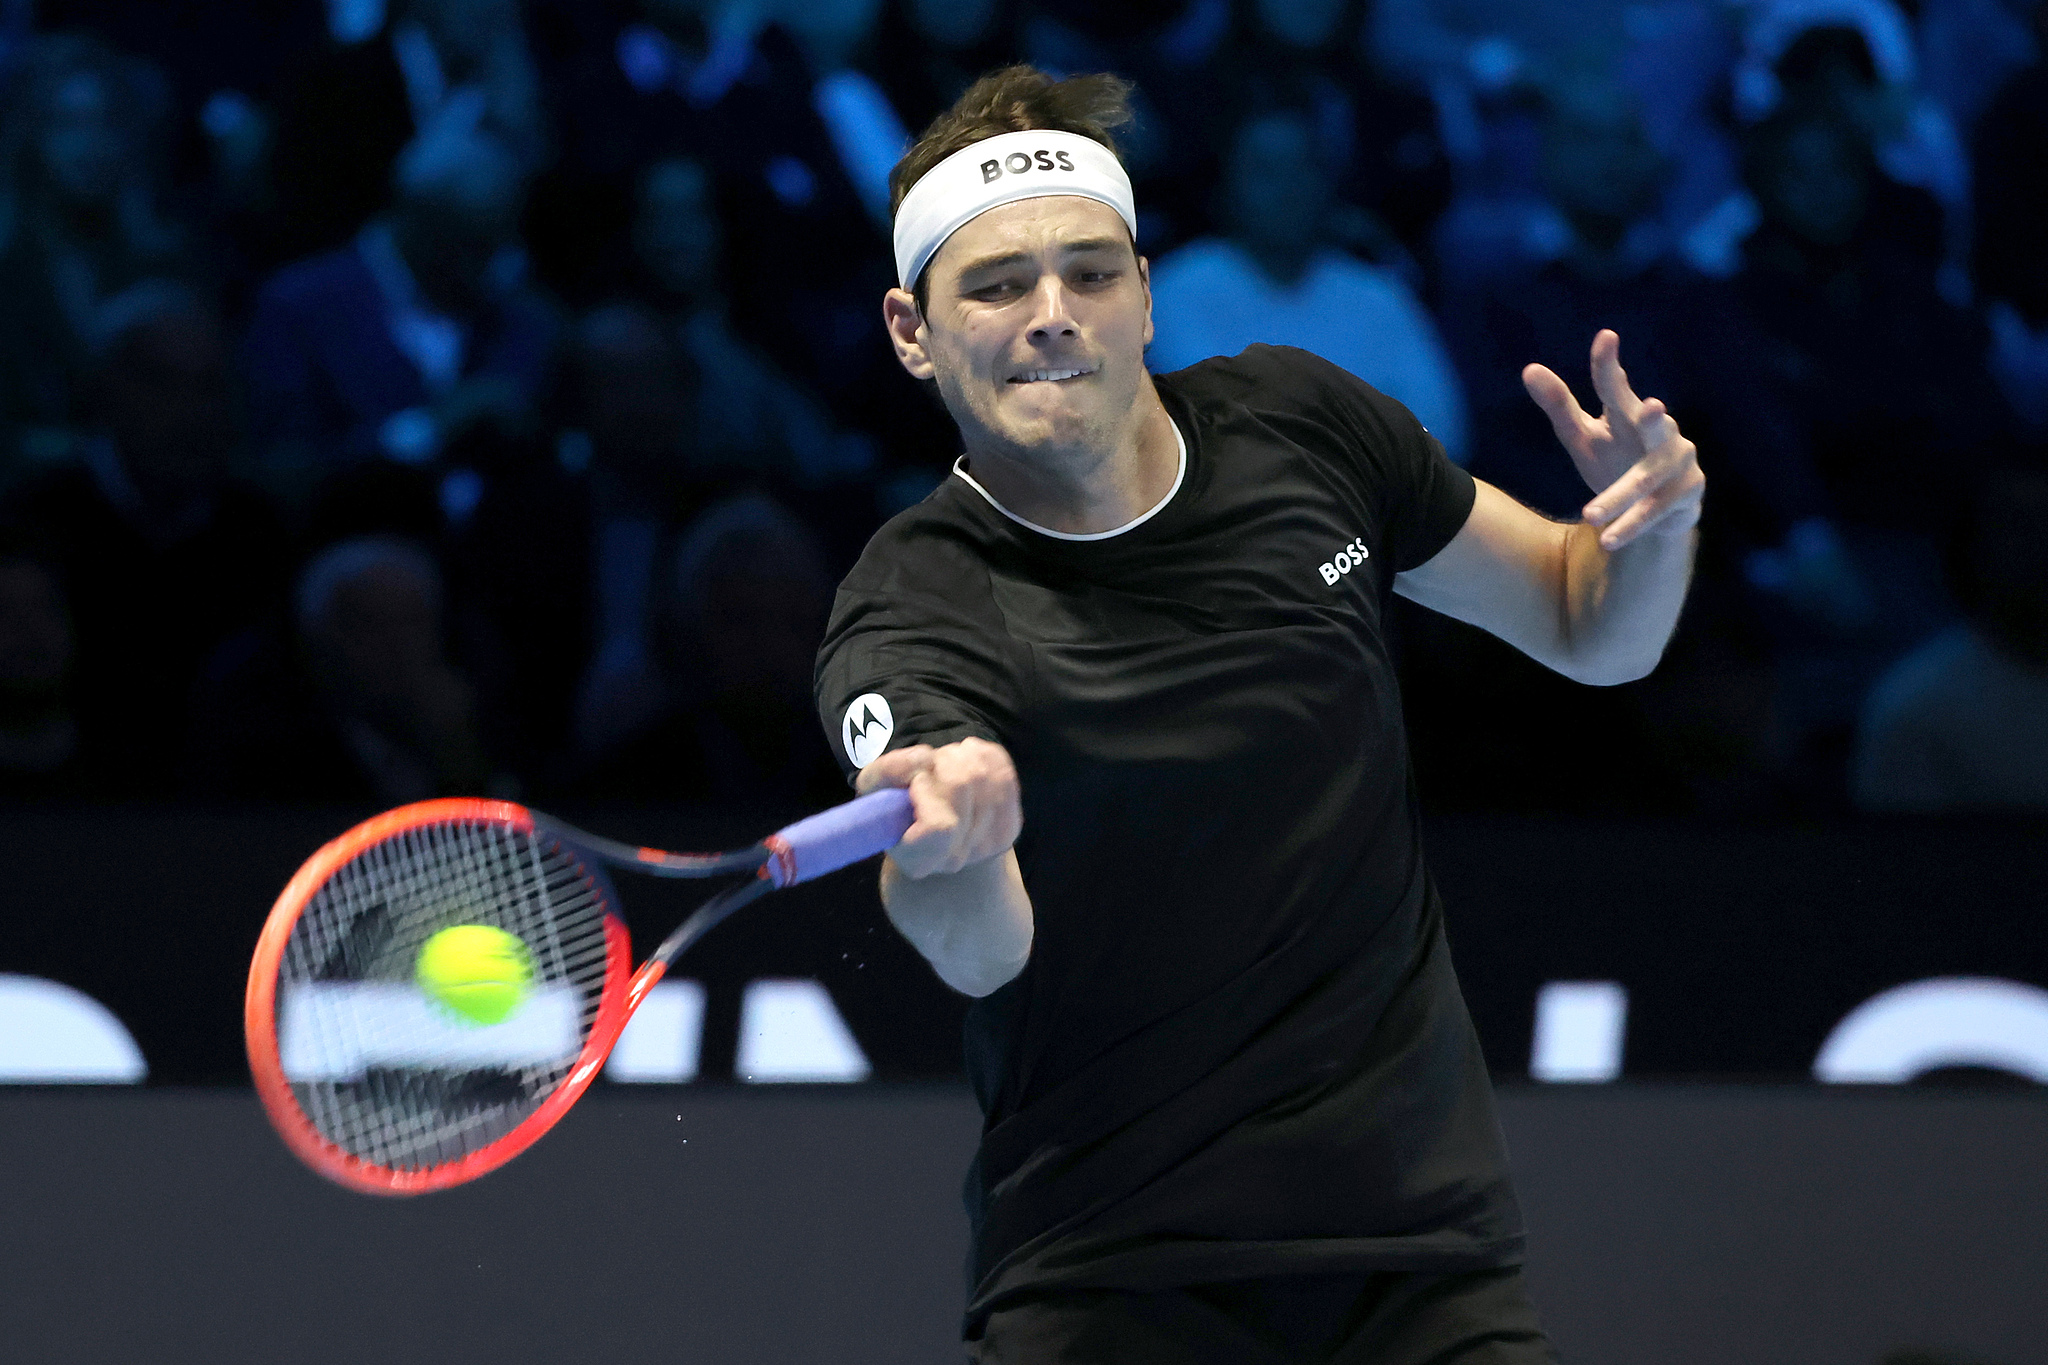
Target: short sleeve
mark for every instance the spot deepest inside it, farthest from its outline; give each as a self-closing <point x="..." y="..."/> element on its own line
<point x="1423" y="499"/>
<point x="897" y="670"/>
<point x="1430" y="498"/>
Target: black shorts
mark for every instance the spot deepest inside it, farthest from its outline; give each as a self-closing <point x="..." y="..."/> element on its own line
<point x="1480" y="1317"/>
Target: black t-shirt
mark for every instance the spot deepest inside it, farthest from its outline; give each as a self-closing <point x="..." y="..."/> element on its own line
<point x="1237" y="1049"/>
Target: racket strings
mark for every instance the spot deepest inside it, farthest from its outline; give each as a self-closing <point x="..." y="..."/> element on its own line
<point x="382" y="1071"/>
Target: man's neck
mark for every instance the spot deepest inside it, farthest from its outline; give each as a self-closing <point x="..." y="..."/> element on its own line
<point x="1087" y="491"/>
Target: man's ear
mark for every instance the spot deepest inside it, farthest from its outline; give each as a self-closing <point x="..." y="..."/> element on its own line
<point x="907" y="333"/>
<point x="1145" y="283"/>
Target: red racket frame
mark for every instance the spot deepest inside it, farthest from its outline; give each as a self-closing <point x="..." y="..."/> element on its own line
<point x="622" y="992"/>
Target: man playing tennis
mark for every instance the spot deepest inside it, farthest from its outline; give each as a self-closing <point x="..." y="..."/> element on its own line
<point x="1235" y="1108"/>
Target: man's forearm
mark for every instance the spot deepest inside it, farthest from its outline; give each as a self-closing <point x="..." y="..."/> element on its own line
<point x="973" y="926"/>
<point x="1621" y="606"/>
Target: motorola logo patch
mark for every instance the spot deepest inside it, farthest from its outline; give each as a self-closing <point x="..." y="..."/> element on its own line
<point x="865" y="731"/>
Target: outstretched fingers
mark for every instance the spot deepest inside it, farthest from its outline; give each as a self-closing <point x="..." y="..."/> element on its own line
<point x="1570" y="421"/>
<point x="1654" y="424"/>
<point x="1617" y="400"/>
<point x="1663" y="489"/>
<point x="1673" y="507"/>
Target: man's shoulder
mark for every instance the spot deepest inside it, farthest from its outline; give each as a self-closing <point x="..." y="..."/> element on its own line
<point x="931" y="548"/>
<point x="1274" y="378"/>
<point x="926" y="578"/>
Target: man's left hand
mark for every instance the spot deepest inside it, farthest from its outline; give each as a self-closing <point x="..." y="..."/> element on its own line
<point x="1644" y="474"/>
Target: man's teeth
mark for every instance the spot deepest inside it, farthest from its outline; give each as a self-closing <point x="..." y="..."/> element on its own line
<point x="1035" y="376"/>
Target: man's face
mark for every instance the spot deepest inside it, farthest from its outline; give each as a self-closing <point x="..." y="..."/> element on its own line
<point x="1818" y="186"/>
<point x="1039" y="315"/>
<point x="380" y="632"/>
<point x="1601" y="166"/>
<point x="1279" y="193"/>
<point x="677" y="231"/>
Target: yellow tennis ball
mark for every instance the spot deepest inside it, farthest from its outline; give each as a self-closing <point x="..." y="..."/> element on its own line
<point x="479" y="971"/>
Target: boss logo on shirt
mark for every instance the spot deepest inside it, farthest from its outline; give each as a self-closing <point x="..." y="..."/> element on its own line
<point x="1347" y="559"/>
<point x="1016" y="163"/>
<point x="865" y="731"/>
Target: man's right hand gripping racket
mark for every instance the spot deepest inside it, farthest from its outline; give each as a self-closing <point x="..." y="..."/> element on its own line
<point x="374" y="1080"/>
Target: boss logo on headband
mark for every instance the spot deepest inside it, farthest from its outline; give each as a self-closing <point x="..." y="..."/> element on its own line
<point x="1016" y="163"/>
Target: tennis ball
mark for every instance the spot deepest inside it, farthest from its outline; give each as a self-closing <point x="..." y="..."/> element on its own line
<point x="479" y="971"/>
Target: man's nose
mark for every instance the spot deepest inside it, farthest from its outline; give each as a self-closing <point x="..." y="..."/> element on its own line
<point x="1051" y="316"/>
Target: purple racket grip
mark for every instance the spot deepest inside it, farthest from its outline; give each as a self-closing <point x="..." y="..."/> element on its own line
<point x="832" y="839"/>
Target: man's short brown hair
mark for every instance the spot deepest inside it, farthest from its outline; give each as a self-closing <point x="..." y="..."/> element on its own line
<point x="1015" y="99"/>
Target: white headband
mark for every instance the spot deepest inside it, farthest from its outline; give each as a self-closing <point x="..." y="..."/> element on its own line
<point x="1001" y="170"/>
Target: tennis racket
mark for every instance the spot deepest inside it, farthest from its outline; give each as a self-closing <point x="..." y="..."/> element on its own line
<point x="379" y="1088"/>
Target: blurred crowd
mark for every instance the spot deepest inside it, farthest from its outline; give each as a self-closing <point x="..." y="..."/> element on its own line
<point x="417" y="397"/>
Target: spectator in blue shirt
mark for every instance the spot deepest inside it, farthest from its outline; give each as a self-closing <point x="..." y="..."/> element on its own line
<point x="418" y="334"/>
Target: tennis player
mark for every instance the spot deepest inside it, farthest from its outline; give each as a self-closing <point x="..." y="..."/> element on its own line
<point x="1236" y="1111"/>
